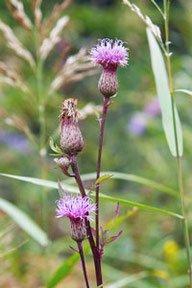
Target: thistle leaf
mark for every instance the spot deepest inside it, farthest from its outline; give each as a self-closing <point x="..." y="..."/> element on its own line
<point x="102" y="178"/>
<point x="54" y="147"/>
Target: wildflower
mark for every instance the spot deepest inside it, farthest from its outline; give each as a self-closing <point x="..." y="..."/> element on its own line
<point x="71" y="140"/>
<point x="171" y="249"/>
<point x="138" y="124"/>
<point x="110" y="54"/>
<point x="140" y="120"/>
<point x="152" y="109"/>
<point x="77" y="209"/>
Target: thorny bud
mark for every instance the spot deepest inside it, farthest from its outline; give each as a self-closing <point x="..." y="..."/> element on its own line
<point x="64" y="162"/>
<point x="108" y="83"/>
<point x="78" y="230"/>
<point x="71" y="140"/>
<point x="110" y="54"/>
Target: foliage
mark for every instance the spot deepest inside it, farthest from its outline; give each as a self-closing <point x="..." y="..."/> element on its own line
<point x="144" y="159"/>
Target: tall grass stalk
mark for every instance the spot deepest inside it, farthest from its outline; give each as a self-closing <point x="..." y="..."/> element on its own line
<point x="166" y="4"/>
<point x="42" y="142"/>
<point x="42" y="148"/>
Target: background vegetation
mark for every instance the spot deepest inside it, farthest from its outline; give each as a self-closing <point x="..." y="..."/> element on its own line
<point x="151" y="248"/>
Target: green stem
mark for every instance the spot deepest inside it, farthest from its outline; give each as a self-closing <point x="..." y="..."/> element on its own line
<point x="42" y="143"/>
<point x="180" y="180"/>
<point x="158" y="8"/>
<point x="80" y="247"/>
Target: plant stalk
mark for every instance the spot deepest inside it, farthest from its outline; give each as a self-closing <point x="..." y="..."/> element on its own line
<point x="179" y="170"/>
<point x="42" y="145"/>
<point x="95" y="252"/>
<point x="80" y="247"/>
<point x="106" y="102"/>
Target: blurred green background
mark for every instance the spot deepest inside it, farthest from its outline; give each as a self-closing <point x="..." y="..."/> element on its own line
<point x="134" y="143"/>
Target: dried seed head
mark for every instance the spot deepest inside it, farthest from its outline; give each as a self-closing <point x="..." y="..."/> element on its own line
<point x="71" y="140"/>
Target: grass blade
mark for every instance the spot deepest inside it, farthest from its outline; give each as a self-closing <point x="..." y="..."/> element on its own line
<point x="65" y="269"/>
<point x="74" y="189"/>
<point x="161" y="81"/>
<point x="186" y="91"/>
<point x="139" y="205"/>
<point x="25" y="222"/>
<point x="128" y="177"/>
<point x="129" y="279"/>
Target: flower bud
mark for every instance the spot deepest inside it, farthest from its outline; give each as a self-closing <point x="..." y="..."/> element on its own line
<point x="78" y="230"/>
<point x="108" y="83"/>
<point x="71" y="140"/>
<point x="64" y="162"/>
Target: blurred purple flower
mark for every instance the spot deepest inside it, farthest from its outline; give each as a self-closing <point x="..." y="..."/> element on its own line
<point x="138" y="123"/>
<point x="15" y="141"/>
<point x="152" y="109"/>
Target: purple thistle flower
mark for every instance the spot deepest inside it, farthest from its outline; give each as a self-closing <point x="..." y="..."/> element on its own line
<point x="77" y="209"/>
<point x="110" y="54"/>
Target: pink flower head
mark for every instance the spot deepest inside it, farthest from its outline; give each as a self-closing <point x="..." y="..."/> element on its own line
<point x="74" y="207"/>
<point x="110" y="54"/>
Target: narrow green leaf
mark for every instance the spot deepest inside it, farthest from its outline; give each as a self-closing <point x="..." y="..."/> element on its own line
<point x="186" y="91"/>
<point x="164" y="96"/>
<point x="120" y="219"/>
<point x="41" y="182"/>
<point x="139" y="205"/>
<point x="25" y="222"/>
<point x="125" y="281"/>
<point x="56" y="155"/>
<point x="54" y="147"/>
<point x="158" y="8"/>
<point x="65" y="269"/>
<point x="131" y="178"/>
<point x="103" y="178"/>
<point x="73" y="189"/>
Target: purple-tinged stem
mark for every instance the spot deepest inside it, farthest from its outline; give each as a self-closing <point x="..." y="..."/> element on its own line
<point x="80" y="247"/>
<point x="94" y="249"/>
<point x="106" y="102"/>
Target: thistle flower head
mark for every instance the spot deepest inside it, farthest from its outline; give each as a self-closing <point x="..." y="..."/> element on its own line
<point x="110" y="54"/>
<point x="75" y="208"/>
